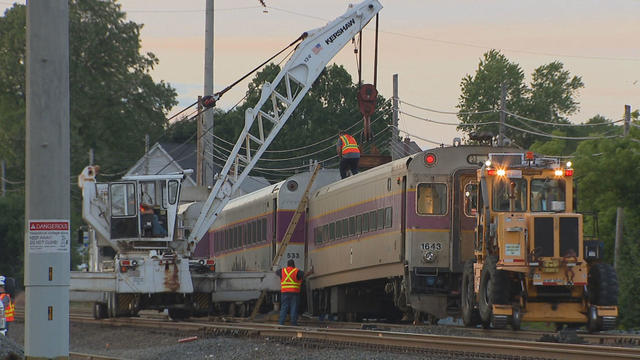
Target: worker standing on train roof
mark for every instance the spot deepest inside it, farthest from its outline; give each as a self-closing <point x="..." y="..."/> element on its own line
<point x="9" y="308"/>
<point x="349" y="152"/>
<point x="290" y="282"/>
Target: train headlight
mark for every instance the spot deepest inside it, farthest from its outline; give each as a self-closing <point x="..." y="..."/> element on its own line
<point x="501" y="172"/>
<point x="559" y="172"/>
<point x="429" y="257"/>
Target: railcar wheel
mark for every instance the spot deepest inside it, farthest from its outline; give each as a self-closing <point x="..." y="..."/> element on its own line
<point x="603" y="285"/>
<point x="99" y="310"/>
<point x="516" y="318"/>
<point x="470" y="314"/>
<point x="494" y="289"/>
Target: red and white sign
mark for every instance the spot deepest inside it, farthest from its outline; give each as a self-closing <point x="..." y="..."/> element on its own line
<point x="49" y="236"/>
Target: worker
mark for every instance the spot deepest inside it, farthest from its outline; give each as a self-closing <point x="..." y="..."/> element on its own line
<point x="290" y="282"/>
<point x="9" y="307"/>
<point x="349" y="153"/>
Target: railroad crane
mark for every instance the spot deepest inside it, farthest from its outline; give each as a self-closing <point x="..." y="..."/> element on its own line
<point x="145" y="220"/>
<point x="531" y="261"/>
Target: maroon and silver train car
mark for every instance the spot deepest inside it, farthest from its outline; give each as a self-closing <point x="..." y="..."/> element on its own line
<point x="392" y="240"/>
<point x="249" y="230"/>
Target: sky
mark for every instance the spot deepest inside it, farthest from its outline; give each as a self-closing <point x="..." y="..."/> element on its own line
<point x="430" y="44"/>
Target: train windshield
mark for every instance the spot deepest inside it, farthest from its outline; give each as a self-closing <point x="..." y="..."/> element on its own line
<point x="510" y="195"/>
<point x="432" y="199"/>
<point x="548" y="194"/>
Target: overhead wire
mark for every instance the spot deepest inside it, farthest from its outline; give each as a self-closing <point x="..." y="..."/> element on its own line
<point x="559" y="124"/>
<point x="448" y="112"/>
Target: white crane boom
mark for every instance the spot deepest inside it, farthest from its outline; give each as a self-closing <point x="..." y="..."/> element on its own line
<point x="277" y="102"/>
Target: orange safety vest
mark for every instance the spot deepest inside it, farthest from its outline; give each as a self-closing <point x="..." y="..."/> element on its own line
<point x="9" y="310"/>
<point x="289" y="280"/>
<point x="349" y="144"/>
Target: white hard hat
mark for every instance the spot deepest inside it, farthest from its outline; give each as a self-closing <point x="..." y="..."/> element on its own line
<point x="2" y="280"/>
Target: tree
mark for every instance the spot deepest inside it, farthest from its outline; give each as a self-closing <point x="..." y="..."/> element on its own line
<point x="549" y="98"/>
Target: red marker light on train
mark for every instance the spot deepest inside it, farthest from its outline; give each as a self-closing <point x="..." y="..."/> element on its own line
<point x="568" y="172"/>
<point x="430" y="159"/>
<point x="491" y="171"/>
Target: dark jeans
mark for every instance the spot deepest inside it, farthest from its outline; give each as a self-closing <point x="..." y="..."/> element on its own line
<point x="289" y="301"/>
<point x="351" y="164"/>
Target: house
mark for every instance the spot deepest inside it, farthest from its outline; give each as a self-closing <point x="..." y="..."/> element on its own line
<point x="166" y="158"/>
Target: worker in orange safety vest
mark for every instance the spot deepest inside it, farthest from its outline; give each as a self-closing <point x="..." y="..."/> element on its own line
<point x="9" y="307"/>
<point x="349" y="152"/>
<point x="290" y="283"/>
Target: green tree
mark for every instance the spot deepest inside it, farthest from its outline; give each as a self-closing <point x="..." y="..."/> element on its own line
<point x="550" y="98"/>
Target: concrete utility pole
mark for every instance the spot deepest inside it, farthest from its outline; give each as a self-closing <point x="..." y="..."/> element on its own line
<point x="91" y="156"/>
<point x="503" y="114"/>
<point x="627" y="119"/>
<point x="4" y="177"/>
<point x="146" y="154"/>
<point x="394" y="131"/>
<point x="207" y="138"/>
<point x="47" y="208"/>
<point x="199" y="147"/>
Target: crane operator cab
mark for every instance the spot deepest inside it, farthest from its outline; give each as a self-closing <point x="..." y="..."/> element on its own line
<point x="144" y="207"/>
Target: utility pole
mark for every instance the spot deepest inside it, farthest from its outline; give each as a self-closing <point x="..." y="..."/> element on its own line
<point x="146" y="154"/>
<point x="207" y="137"/>
<point x="627" y="119"/>
<point x="503" y="109"/>
<point x="199" y="147"/>
<point x="619" y="235"/>
<point x="394" y="131"/>
<point x="47" y="167"/>
<point x="91" y="157"/>
<point x="4" y="176"/>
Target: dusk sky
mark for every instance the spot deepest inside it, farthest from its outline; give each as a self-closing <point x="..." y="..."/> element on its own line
<point x="430" y="44"/>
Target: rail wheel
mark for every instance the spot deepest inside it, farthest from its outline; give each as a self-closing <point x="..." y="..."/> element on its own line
<point x="494" y="289"/>
<point x="99" y="310"/>
<point x="516" y="318"/>
<point x="470" y="314"/>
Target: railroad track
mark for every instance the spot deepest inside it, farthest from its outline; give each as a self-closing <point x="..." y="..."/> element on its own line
<point x="482" y="342"/>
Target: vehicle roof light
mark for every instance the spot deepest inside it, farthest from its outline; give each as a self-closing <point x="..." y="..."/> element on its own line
<point x="487" y="163"/>
<point x="501" y="172"/>
<point x="569" y="163"/>
<point x="559" y="172"/>
<point x="568" y="172"/>
<point x="430" y="159"/>
<point x="529" y="155"/>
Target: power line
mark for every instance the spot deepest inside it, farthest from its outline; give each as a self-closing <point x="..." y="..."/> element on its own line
<point x="560" y="124"/>
<point x="448" y="112"/>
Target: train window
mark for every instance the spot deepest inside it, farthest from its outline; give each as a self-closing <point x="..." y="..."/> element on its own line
<point x="358" y="224"/>
<point x="238" y="237"/>
<point x="332" y="231"/>
<point x="470" y="199"/>
<point x="388" y="215"/>
<point x="338" y="229"/>
<point x="325" y="232"/>
<point x="365" y="223"/>
<point x="372" y="221"/>
<point x="345" y="227"/>
<point x="352" y="226"/>
<point x="316" y="235"/>
<point x="432" y="199"/>
<point x="254" y="238"/>
<point x="380" y="218"/>
<point x="510" y="195"/>
<point x="547" y="194"/>
<point x="264" y="229"/>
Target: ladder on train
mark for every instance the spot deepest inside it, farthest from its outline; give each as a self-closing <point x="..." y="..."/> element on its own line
<point x="302" y="205"/>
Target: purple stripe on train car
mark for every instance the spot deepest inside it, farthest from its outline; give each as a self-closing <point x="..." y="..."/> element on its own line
<point x="284" y="218"/>
<point x="432" y="222"/>
<point x="270" y="227"/>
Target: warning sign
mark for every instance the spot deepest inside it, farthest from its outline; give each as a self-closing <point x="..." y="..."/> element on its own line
<point x="49" y="236"/>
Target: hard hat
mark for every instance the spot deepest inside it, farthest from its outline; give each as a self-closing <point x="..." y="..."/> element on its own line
<point x="2" y="280"/>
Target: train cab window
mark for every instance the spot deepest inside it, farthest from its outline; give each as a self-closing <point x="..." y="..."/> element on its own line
<point x="548" y="194"/>
<point x="372" y="221"/>
<point x="332" y="231"/>
<point x="380" y="219"/>
<point x="123" y="200"/>
<point x="365" y="223"/>
<point x="358" y="224"/>
<point x="470" y="199"/>
<point x="432" y="199"/>
<point x="338" y="229"/>
<point x="352" y="226"/>
<point x="388" y="217"/>
<point x="173" y="191"/>
<point x="264" y="229"/>
<point x="510" y="195"/>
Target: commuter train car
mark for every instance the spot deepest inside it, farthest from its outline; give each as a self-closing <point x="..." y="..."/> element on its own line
<point x="393" y="240"/>
<point x="248" y="231"/>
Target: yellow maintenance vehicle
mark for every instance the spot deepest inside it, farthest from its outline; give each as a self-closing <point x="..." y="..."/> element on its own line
<point x="531" y="262"/>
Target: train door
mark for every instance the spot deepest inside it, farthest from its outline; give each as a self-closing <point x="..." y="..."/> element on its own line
<point x="274" y="229"/>
<point x="464" y="217"/>
<point x="403" y="218"/>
